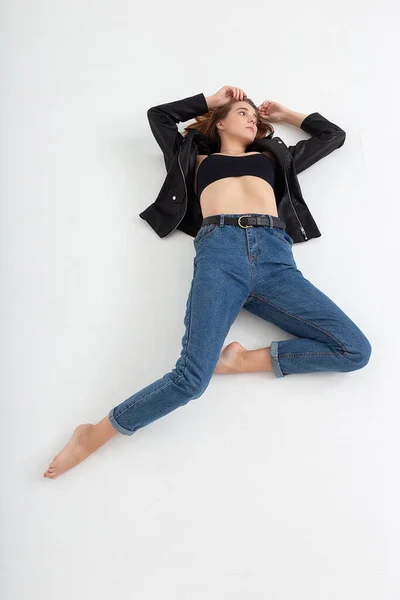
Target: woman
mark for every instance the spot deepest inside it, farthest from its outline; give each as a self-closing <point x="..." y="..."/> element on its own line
<point x="243" y="259"/>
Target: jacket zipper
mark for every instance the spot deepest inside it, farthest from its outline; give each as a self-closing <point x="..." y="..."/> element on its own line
<point x="303" y="231"/>
<point x="184" y="182"/>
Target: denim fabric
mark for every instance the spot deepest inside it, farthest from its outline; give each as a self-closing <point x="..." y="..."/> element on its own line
<point x="254" y="269"/>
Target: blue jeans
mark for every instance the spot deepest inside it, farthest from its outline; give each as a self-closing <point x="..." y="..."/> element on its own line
<point x="254" y="269"/>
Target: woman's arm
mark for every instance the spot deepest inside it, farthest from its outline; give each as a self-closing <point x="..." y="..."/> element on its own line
<point x="325" y="138"/>
<point x="163" y="121"/>
<point x="293" y="118"/>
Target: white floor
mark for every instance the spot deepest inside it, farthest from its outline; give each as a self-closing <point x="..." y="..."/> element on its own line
<point x="262" y="488"/>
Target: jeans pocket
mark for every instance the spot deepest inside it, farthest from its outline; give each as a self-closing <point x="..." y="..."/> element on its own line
<point x="204" y="231"/>
<point x="283" y="235"/>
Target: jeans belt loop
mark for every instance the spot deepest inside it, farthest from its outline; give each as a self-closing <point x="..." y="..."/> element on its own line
<point x="271" y="223"/>
<point x="221" y="220"/>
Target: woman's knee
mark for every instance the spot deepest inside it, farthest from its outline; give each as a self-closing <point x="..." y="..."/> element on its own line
<point x="192" y="387"/>
<point x="359" y="355"/>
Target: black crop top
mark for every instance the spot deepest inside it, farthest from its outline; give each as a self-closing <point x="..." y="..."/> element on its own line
<point x="218" y="166"/>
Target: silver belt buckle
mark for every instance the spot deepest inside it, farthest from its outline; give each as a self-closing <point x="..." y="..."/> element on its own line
<point x="244" y="226"/>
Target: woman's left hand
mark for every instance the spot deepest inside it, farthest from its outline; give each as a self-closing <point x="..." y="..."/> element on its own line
<point x="272" y="111"/>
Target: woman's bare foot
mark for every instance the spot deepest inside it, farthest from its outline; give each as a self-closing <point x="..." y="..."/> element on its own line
<point x="85" y="440"/>
<point x="236" y="359"/>
<point x="231" y="359"/>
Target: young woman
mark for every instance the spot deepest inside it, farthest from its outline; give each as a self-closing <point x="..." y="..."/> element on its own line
<point x="243" y="259"/>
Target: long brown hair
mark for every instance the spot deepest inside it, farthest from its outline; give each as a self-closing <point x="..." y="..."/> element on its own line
<point x="206" y="123"/>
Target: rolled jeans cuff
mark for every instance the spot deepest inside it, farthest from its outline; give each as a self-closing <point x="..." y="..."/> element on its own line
<point x="274" y="359"/>
<point x="117" y="426"/>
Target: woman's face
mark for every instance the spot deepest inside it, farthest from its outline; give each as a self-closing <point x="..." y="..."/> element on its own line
<point x="241" y="121"/>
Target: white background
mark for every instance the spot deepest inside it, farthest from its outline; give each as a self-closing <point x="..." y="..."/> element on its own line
<point x="262" y="488"/>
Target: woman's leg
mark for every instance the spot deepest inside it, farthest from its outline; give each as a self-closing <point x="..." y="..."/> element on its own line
<point x="216" y="296"/>
<point x="215" y="299"/>
<point x="235" y="358"/>
<point x="327" y="339"/>
<point x="84" y="441"/>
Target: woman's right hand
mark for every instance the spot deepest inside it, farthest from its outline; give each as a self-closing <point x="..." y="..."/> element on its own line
<point x="224" y="95"/>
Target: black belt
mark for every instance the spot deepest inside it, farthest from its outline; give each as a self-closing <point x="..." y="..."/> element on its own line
<point x="248" y="221"/>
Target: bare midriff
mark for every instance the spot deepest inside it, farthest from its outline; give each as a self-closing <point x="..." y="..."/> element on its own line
<point x="234" y="195"/>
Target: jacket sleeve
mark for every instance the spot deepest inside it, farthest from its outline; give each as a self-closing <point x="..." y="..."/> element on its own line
<point x="163" y="121"/>
<point x="325" y="138"/>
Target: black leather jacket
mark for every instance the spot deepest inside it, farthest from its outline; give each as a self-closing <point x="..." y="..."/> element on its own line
<point x="178" y="207"/>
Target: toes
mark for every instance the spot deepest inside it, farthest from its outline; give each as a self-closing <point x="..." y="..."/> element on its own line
<point x="50" y="471"/>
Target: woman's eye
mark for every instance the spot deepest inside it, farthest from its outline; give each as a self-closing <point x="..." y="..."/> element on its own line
<point x="244" y="112"/>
